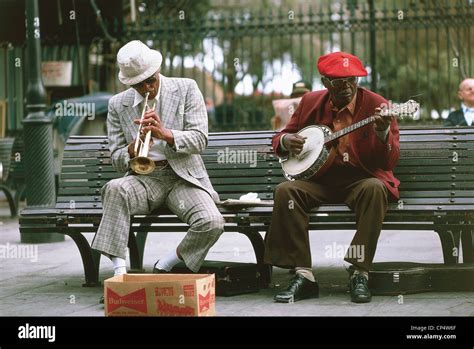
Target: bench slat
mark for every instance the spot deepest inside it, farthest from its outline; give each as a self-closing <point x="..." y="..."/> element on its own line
<point x="91" y="169"/>
<point x="87" y="154"/>
<point x="405" y="201"/>
<point x="439" y="162"/>
<point x="435" y="177"/>
<point x="82" y="214"/>
<point x="454" y="168"/>
<point x="90" y="175"/>
<point x="405" y="194"/>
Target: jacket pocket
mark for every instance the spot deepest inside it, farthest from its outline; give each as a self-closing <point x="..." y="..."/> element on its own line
<point x="197" y="172"/>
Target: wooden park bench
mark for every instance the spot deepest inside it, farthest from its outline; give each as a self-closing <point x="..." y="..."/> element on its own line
<point x="12" y="174"/>
<point x="436" y="170"/>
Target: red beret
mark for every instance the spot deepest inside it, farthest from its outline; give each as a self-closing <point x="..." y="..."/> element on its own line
<point x="340" y="65"/>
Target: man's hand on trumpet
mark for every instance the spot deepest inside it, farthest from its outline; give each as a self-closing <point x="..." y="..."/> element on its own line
<point x="152" y="122"/>
<point x="131" y="146"/>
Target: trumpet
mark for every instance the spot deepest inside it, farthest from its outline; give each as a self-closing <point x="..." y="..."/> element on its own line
<point x="141" y="163"/>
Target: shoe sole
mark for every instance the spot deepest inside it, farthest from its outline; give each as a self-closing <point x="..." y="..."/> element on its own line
<point x="361" y="300"/>
<point x="158" y="271"/>
<point x="294" y="300"/>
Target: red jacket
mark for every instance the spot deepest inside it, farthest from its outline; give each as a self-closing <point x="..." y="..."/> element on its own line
<point x="375" y="157"/>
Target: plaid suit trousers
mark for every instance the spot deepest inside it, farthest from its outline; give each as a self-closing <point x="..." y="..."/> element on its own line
<point x="141" y="194"/>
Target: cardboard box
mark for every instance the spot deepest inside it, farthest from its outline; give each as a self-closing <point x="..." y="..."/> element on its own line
<point x="160" y="295"/>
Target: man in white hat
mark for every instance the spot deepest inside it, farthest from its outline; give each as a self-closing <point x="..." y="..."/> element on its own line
<point x="178" y="126"/>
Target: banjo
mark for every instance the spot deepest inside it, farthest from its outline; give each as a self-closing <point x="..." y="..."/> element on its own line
<point x="316" y="157"/>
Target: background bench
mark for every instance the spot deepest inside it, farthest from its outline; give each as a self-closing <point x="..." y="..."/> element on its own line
<point x="12" y="178"/>
<point x="436" y="169"/>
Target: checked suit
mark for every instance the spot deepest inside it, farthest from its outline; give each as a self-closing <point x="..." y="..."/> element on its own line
<point x="183" y="185"/>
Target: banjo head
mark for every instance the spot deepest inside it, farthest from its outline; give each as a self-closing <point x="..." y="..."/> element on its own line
<point x="312" y="149"/>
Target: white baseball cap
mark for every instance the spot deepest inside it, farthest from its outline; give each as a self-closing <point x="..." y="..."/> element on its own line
<point x="137" y="62"/>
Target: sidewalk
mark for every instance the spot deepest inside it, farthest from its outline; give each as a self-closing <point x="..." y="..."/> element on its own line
<point x="52" y="285"/>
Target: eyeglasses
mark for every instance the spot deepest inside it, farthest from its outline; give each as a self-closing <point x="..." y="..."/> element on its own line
<point x="149" y="81"/>
<point x="336" y="83"/>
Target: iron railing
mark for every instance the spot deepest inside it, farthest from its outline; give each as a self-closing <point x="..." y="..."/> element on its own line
<point x="243" y="60"/>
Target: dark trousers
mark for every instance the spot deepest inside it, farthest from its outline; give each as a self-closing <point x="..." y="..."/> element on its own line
<point x="287" y="241"/>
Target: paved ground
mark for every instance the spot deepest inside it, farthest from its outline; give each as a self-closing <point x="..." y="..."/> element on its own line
<point x="49" y="284"/>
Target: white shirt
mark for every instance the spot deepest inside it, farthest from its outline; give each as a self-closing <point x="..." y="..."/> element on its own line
<point x="468" y="114"/>
<point x="157" y="149"/>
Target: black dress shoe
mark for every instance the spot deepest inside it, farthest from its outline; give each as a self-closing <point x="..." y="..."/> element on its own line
<point x="101" y="300"/>
<point x="159" y="271"/>
<point x="359" y="288"/>
<point x="299" y="288"/>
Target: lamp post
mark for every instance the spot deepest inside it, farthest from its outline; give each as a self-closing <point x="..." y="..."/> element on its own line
<point x="38" y="131"/>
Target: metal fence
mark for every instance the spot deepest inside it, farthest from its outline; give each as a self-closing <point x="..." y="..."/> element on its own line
<point x="242" y="61"/>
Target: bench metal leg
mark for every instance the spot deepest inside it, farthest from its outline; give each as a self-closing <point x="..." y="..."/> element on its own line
<point x="450" y="240"/>
<point x="134" y="254"/>
<point x="259" y="248"/>
<point x="18" y="194"/>
<point x="12" y="203"/>
<point x="96" y="259"/>
<point x="468" y="244"/>
<point x="141" y="241"/>
<point x="136" y="245"/>
<point x="90" y="259"/>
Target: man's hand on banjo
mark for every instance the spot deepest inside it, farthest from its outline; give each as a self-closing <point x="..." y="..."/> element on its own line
<point x="294" y="143"/>
<point x="382" y="120"/>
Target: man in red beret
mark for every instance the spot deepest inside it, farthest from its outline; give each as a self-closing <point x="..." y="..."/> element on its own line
<point x="360" y="176"/>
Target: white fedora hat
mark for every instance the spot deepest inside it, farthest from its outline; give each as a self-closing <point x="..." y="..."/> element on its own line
<point x="137" y="62"/>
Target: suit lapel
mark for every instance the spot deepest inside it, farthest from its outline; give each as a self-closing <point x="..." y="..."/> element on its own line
<point x="170" y="103"/>
<point x="462" y="119"/>
<point x="129" y="114"/>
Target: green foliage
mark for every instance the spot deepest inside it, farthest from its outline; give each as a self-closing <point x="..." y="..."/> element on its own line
<point x="425" y="71"/>
<point x="244" y="113"/>
<point x="415" y="53"/>
<point x="171" y="25"/>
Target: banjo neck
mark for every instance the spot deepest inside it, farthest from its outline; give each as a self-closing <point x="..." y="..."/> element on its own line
<point x="348" y="129"/>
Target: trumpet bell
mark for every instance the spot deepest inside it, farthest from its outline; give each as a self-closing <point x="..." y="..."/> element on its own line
<point x="142" y="165"/>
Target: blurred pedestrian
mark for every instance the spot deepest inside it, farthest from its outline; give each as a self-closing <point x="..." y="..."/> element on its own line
<point x="465" y="115"/>
<point x="284" y="108"/>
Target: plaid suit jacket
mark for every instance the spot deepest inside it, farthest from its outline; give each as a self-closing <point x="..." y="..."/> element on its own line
<point x="183" y="111"/>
